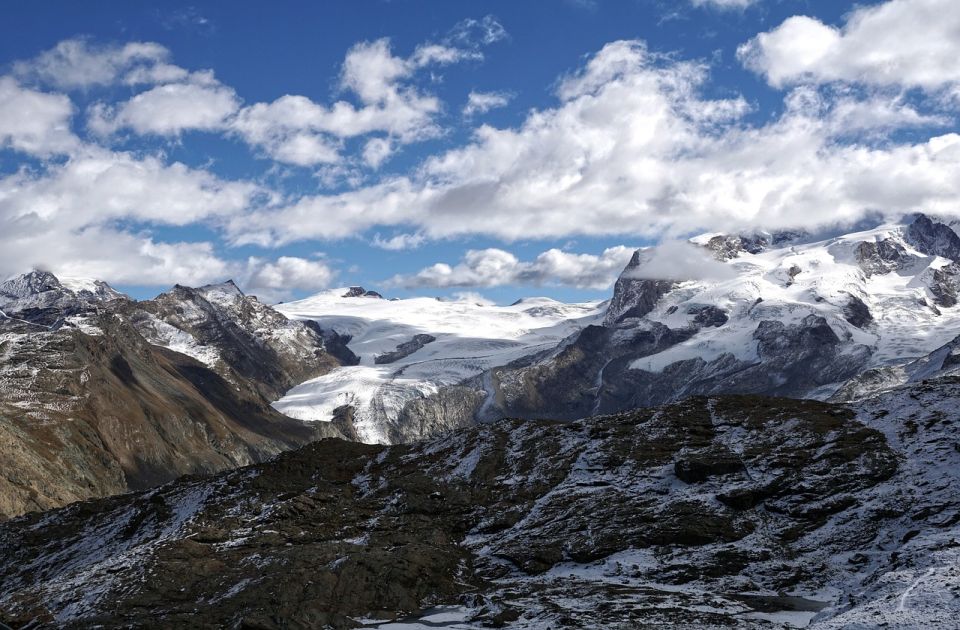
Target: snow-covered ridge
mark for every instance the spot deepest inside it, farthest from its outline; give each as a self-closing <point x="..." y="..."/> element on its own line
<point x="822" y="278"/>
<point x="470" y="338"/>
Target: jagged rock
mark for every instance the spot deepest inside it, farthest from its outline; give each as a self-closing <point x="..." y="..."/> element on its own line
<point x="240" y="337"/>
<point x="404" y="349"/>
<point x="945" y="285"/>
<point x="933" y="238"/>
<point x="881" y="257"/>
<point x="708" y="315"/>
<point x="90" y="407"/>
<point x="857" y="312"/>
<point x="334" y="343"/>
<point x="361" y="292"/>
<point x="634" y="297"/>
<point x="726" y="247"/>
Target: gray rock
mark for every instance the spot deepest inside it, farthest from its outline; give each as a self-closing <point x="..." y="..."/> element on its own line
<point x="404" y="349"/>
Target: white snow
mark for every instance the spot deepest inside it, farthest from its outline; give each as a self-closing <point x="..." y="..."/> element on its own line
<point x="163" y="334"/>
<point x="829" y="274"/>
<point x="470" y="338"/>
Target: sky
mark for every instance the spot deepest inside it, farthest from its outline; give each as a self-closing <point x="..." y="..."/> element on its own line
<point x="452" y="148"/>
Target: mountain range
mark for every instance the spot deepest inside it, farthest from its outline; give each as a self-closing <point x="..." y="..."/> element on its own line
<point x="755" y="430"/>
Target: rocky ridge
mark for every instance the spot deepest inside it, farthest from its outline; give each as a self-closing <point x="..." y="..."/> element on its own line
<point x="735" y="511"/>
<point x="100" y="394"/>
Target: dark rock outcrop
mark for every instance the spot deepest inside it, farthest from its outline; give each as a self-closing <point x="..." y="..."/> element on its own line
<point x="945" y="285"/>
<point x="360" y="292"/>
<point x="881" y="257"/>
<point x="634" y="297"/>
<point x="933" y="238"/>
<point x="404" y="349"/>
<point x="708" y="315"/>
<point x="857" y="312"/>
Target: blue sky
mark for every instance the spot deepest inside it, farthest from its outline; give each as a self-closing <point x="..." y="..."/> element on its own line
<point x="608" y="128"/>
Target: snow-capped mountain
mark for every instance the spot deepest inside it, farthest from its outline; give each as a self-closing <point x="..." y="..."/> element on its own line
<point x="100" y="394"/>
<point x="785" y="315"/>
<point x="235" y="335"/>
<point x="409" y="349"/>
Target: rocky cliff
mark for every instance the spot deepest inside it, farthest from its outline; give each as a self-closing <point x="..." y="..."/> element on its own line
<point x="92" y="403"/>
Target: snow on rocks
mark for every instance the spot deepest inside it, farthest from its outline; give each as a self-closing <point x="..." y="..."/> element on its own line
<point x="469" y="339"/>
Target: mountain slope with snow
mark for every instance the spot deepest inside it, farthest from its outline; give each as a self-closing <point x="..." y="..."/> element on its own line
<point x="100" y="394"/>
<point x="785" y="315"/>
<point x="468" y="339"/>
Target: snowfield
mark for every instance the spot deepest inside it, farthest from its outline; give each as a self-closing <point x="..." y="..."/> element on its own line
<point x="470" y="338"/>
<point x="790" y="283"/>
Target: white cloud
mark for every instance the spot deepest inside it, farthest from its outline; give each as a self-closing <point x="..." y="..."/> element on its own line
<point x="389" y="104"/>
<point x="910" y="43"/>
<point x="97" y="186"/>
<point x="376" y="150"/>
<point x="399" y="242"/>
<point x="724" y="4"/>
<point x="275" y="280"/>
<point x="77" y="63"/>
<point x="168" y="110"/>
<point x="35" y="122"/>
<point x="634" y="148"/>
<point x="496" y="267"/>
<point x="679" y="260"/>
<point x="482" y="102"/>
<point x="473" y="32"/>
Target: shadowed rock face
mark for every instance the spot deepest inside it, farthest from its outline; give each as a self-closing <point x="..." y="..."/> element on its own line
<point x="934" y="238"/>
<point x="253" y="342"/>
<point x="881" y="257"/>
<point x="404" y="349"/>
<point x="634" y="297"/>
<point x="86" y="416"/>
<point x="709" y="498"/>
<point x="88" y="407"/>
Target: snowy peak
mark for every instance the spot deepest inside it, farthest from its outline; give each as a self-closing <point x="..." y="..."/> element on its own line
<point x="40" y="298"/>
<point x="788" y="316"/>
<point x="31" y="283"/>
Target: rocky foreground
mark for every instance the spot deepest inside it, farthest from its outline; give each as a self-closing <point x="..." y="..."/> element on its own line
<point x="733" y="511"/>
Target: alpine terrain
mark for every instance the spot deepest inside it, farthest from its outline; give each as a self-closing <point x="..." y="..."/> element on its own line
<point x="100" y="394"/>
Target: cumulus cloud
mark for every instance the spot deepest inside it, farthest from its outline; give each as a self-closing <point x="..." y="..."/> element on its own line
<point x="79" y="63"/>
<point x="389" y="104"/>
<point x="633" y="147"/>
<point x="168" y="110"/>
<point x="98" y="186"/>
<point x="723" y="4"/>
<point x="398" y="242"/>
<point x="35" y="122"/>
<point x="495" y="267"/>
<point x="910" y="43"/>
<point x="679" y="260"/>
<point x="275" y="280"/>
<point x="482" y="102"/>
